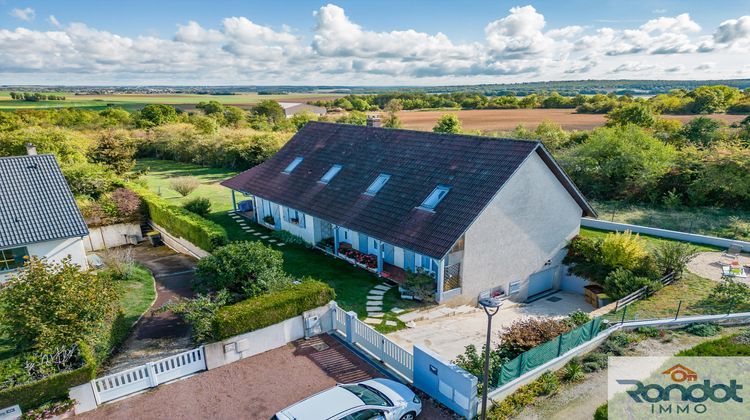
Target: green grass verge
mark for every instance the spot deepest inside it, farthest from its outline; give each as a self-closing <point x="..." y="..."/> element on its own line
<point x="651" y="241"/>
<point x="352" y="285"/>
<point x="691" y="290"/>
<point x="722" y="347"/>
<point x="711" y="221"/>
<point x="137" y="293"/>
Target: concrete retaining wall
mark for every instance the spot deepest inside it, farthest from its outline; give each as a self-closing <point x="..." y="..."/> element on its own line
<point x="111" y="236"/>
<point x="179" y="244"/>
<point x="255" y="342"/>
<point x="664" y="233"/>
<point x="446" y="382"/>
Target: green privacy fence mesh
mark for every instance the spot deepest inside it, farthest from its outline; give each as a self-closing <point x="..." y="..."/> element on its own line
<point x="543" y="353"/>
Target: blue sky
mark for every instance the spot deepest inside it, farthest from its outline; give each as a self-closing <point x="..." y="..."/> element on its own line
<point x="369" y="42"/>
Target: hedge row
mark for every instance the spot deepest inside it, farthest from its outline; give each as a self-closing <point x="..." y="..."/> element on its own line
<point x="56" y="386"/>
<point x="261" y="311"/>
<point x="203" y="233"/>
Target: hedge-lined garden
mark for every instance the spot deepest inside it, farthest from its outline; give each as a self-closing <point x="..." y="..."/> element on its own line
<point x="178" y="221"/>
<point x="265" y="310"/>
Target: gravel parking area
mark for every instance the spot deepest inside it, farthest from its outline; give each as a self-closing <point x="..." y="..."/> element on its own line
<point x="253" y="388"/>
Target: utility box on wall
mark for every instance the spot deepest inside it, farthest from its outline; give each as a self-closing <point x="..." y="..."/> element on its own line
<point x="446" y="382"/>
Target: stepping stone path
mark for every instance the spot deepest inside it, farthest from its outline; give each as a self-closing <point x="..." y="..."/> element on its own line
<point x="280" y="244"/>
<point x="375" y="321"/>
<point x="272" y="240"/>
<point x="264" y="237"/>
<point x="375" y="300"/>
<point x="397" y="310"/>
<point x="257" y="233"/>
<point x="391" y="323"/>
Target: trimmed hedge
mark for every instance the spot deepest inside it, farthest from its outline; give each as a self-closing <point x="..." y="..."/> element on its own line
<point x="265" y="310"/>
<point x="56" y="386"/>
<point x="204" y="233"/>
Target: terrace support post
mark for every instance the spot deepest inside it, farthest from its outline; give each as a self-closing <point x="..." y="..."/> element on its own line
<point x="335" y="240"/>
<point x="380" y="257"/>
<point x="234" y="201"/>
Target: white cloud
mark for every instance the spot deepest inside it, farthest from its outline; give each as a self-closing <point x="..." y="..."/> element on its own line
<point x="53" y="21"/>
<point x="516" y="46"/>
<point x="28" y="14"/>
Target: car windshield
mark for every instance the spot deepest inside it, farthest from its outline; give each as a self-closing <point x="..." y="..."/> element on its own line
<point x="368" y="395"/>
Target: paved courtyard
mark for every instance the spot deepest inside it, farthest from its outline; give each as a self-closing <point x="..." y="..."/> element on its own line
<point x="449" y="335"/>
<point x="253" y="388"/>
<point x="708" y="265"/>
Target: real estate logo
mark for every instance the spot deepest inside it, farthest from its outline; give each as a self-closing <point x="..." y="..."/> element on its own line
<point x="679" y="387"/>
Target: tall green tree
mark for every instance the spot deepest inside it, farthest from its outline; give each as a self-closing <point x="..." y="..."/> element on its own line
<point x="153" y="115"/>
<point x="115" y="149"/>
<point x="270" y="110"/>
<point x="634" y="113"/>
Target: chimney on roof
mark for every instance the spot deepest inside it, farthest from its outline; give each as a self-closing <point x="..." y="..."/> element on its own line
<point x="30" y="149"/>
<point x="373" y="121"/>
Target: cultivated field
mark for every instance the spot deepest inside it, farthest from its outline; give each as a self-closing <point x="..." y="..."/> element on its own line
<point x="508" y="119"/>
<point x="135" y="101"/>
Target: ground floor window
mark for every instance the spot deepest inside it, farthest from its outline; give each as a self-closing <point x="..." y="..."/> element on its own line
<point x="12" y="258"/>
<point x="514" y="287"/>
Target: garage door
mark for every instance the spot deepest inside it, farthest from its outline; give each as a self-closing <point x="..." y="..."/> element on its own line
<point x="541" y="282"/>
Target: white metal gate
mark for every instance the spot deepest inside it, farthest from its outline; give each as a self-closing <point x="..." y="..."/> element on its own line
<point x="116" y="385"/>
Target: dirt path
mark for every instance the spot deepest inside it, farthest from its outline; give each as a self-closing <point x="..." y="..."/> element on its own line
<point x="158" y="334"/>
<point x="579" y="402"/>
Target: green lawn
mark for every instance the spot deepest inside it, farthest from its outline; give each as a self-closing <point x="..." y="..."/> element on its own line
<point x="691" y="290"/>
<point x="727" y="223"/>
<point x="350" y="283"/>
<point x="651" y="241"/>
<point x="137" y="293"/>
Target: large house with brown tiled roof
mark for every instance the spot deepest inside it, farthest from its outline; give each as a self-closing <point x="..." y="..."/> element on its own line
<point x="482" y="215"/>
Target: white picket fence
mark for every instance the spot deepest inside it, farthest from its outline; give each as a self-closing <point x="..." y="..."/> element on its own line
<point x="146" y="376"/>
<point x="356" y="332"/>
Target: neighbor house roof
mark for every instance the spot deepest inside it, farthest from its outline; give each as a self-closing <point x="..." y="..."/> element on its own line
<point x="36" y="204"/>
<point x="473" y="167"/>
<point x="292" y="108"/>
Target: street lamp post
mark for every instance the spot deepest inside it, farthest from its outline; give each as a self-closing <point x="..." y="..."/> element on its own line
<point x="490" y="306"/>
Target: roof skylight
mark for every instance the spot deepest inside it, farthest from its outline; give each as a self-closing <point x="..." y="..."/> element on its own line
<point x="330" y="174"/>
<point x="293" y="165"/>
<point x="377" y="184"/>
<point x="435" y="197"/>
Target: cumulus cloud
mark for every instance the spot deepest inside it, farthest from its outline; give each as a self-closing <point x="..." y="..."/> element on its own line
<point x="28" y="14"/>
<point x="239" y="49"/>
<point x="705" y="66"/>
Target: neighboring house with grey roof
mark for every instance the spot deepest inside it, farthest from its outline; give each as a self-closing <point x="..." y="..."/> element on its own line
<point x="482" y="215"/>
<point x="293" y="108"/>
<point x="38" y="214"/>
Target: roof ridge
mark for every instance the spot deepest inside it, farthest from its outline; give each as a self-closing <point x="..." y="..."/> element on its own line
<point x="25" y="156"/>
<point x="430" y="133"/>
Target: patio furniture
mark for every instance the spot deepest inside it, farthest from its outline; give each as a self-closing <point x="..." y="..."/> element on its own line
<point x="734" y="270"/>
<point x="733" y="251"/>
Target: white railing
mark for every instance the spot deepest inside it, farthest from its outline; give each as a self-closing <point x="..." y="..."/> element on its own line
<point x="375" y="344"/>
<point x="146" y="376"/>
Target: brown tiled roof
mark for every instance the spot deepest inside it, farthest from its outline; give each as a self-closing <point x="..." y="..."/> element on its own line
<point x="474" y="167"/>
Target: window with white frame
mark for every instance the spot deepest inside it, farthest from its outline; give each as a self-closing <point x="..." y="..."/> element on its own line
<point x="13" y="258"/>
<point x="514" y="287"/>
<point x="294" y="217"/>
<point x="330" y="174"/>
<point x="435" y="197"/>
<point x="293" y="164"/>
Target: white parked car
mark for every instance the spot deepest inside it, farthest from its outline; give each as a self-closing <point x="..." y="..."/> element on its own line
<point x="376" y="399"/>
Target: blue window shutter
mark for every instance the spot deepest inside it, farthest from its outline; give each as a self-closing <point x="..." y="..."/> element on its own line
<point x="425" y="262"/>
<point x="408" y="260"/>
<point x="286" y="214"/>
<point x="301" y="219"/>
<point x="434" y="266"/>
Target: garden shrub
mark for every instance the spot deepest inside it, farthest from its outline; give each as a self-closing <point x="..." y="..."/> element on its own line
<point x="473" y="362"/>
<point x="198" y="205"/>
<point x="119" y="206"/>
<point x="201" y="232"/>
<point x="549" y="384"/>
<point x="617" y="343"/>
<point x="33" y="394"/>
<point x="49" y="305"/>
<point x="199" y="313"/>
<point x="573" y="371"/>
<point x="649" y="332"/>
<point x="673" y="257"/>
<point x="184" y="185"/>
<point x="727" y="296"/>
<point x="515" y="402"/>
<point x="703" y="329"/>
<point x="601" y="412"/>
<point x="525" y="334"/>
<point x="622" y="282"/>
<point x="48" y="410"/>
<point x="265" y="310"/>
<point x="578" y="318"/>
<point x="90" y="179"/>
<point x="594" y="361"/>
<point x="622" y="250"/>
<point x="420" y="284"/>
<point x="243" y="268"/>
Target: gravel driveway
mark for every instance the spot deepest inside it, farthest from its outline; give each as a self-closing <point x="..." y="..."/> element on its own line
<point x="253" y="388"/>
